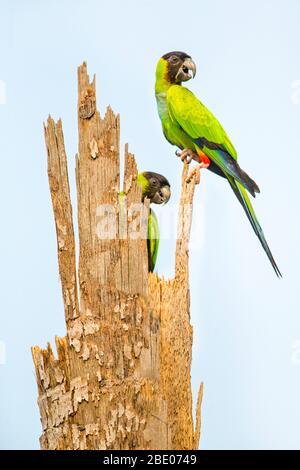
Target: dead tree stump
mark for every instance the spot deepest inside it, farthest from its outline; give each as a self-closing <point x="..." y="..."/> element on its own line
<point x="122" y="376"/>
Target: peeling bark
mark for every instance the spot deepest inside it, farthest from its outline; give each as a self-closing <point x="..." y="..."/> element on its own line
<point x="121" y="379"/>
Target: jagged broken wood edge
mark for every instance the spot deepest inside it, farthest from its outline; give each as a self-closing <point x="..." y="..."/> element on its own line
<point x="172" y="299"/>
<point x="59" y="188"/>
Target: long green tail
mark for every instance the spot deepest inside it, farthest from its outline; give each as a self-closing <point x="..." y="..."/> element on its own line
<point x="242" y="196"/>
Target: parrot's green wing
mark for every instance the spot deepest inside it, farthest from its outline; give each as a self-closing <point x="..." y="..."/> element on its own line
<point x="153" y="239"/>
<point x="207" y="133"/>
<point x="196" y="120"/>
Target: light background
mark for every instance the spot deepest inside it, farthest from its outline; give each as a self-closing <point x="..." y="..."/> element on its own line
<point x="246" y="322"/>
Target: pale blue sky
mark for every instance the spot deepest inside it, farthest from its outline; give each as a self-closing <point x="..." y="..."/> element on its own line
<point x="246" y="322"/>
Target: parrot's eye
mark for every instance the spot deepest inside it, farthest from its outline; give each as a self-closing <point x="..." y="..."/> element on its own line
<point x="174" y="59"/>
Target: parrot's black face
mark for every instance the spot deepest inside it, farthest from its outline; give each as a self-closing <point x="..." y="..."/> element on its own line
<point x="180" y="67"/>
<point x="158" y="188"/>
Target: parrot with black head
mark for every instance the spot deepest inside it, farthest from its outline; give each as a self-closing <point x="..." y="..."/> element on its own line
<point x="156" y="188"/>
<point x="189" y="125"/>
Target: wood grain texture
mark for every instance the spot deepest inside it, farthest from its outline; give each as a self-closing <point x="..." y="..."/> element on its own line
<point x="121" y="378"/>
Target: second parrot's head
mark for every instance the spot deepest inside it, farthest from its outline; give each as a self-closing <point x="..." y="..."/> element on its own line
<point x="177" y="67"/>
<point x="155" y="187"/>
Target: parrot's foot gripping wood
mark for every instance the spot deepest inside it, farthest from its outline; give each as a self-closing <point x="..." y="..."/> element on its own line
<point x="196" y="173"/>
<point x="187" y="155"/>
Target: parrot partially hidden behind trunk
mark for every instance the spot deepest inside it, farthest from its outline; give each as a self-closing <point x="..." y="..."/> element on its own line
<point x="189" y="125"/>
<point x="158" y="190"/>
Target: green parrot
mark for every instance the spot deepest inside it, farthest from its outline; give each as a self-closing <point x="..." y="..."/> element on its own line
<point x="189" y="125"/>
<point x="156" y="188"/>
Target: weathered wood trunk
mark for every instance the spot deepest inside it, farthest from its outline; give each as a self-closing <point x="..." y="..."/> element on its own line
<point x="122" y="376"/>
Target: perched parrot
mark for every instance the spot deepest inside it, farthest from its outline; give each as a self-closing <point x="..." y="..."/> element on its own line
<point x="156" y="188"/>
<point x="189" y="125"/>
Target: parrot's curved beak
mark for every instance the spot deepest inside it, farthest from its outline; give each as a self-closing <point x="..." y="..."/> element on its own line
<point x="191" y="66"/>
<point x="166" y="193"/>
<point x="162" y="196"/>
<point x="186" y="71"/>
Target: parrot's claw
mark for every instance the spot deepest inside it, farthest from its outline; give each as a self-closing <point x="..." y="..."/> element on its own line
<point x="196" y="173"/>
<point x="187" y="155"/>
